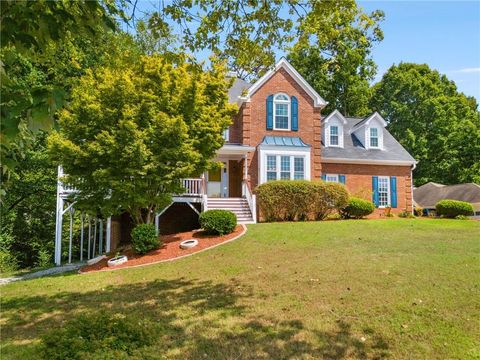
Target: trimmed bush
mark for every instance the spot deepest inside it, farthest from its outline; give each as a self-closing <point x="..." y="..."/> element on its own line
<point x="406" y="214"/>
<point x="357" y="208"/>
<point x="98" y="336"/>
<point x="418" y="211"/>
<point x="145" y="238"/>
<point x="290" y="200"/>
<point x="218" y="222"/>
<point x="452" y="208"/>
<point x="461" y="217"/>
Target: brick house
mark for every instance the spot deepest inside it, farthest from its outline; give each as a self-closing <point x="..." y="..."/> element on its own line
<point x="280" y="132"/>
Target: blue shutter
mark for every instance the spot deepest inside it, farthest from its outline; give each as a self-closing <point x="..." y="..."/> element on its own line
<point x="324" y="177"/>
<point x="375" y="190"/>
<point x="294" y="110"/>
<point x="393" y="191"/>
<point x="341" y="178"/>
<point x="270" y="112"/>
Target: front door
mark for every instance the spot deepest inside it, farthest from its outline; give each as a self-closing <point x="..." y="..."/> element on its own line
<point x="217" y="181"/>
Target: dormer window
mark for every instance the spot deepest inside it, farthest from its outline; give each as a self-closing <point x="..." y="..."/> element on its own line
<point x="281" y="111"/>
<point x="334" y="135"/>
<point x="374" y="143"/>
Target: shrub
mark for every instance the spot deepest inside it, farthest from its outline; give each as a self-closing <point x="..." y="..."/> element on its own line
<point x="357" y="208"/>
<point x="327" y="198"/>
<point x="145" y="238"/>
<point x="99" y="336"/>
<point x="218" y="222"/>
<point x="452" y="208"/>
<point x="418" y="211"/>
<point x="461" y="217"/>
<point x="406" y="214"/>
<point x="289" y="200"/>
<point x="8" y="262"/>
<point x="44" y="259"/>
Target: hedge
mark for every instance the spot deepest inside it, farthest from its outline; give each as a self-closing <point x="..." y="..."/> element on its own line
<point x="452" y="208"/>
<point x="145" y="238"/>
<point x="218" y="222"/>
<point x="298" y="200"/>
<point x="357" y="208"/>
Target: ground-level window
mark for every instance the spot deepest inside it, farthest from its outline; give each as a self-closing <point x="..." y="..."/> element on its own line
<point x="285" y="167"/>
<point x="331" y="177"/>
<point x="383" y="191"/>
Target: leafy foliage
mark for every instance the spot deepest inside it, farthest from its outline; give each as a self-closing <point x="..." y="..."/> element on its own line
<point x="290" y="200"/>
<point x="439" y="126"/>
<point x="218" y="222"/>
<point x="357" y="208"/>
<point x="132" y="132"/>
<point x="145" y="238"/>
<point x="97" y="336"/>
<point x="452" y="208"/>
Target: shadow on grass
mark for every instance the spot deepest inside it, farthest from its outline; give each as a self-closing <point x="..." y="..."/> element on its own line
<point x="194" y="319"/>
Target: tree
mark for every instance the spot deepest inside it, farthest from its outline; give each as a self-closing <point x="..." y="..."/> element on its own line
<point x="132" y="132"/>
<point x="337" y="60"/>
<point x="437" y="124"/>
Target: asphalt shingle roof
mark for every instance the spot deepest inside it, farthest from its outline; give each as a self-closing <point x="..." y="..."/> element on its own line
<point x="354" y="150"/>
<point x="237" y="89"/>
<point x="429" y="194"/>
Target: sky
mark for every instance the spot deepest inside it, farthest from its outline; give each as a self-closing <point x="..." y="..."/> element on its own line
<point x="443" y="34"/>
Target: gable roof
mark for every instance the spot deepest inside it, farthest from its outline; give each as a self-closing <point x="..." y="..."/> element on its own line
<point x="353" y="151"/>
<point x="336" y="113"/>
<point x="367" y="121"/>
<point x="429" y="194"/>
<point x="318" y="101"/>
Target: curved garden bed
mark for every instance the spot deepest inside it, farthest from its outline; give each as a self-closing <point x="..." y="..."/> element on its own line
<point x="169" y="251"/>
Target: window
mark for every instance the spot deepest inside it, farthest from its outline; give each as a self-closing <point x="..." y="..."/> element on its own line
<point x="373" y="137"/>
<point x="383" y="191"/>
<point x="226" y="134"/>
<point x="334" y="135"/>
<point x="331" y="178"/>
<point x="299" y="169"/>
<point x="281" y="111"/>
<point x="271" y="167"/>
<point x="285" y="167"/>
<point x="290" y="167"/>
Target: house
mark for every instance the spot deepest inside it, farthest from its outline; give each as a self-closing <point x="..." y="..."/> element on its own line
<point x="280" y="132"/>
<point x="429" y="194"/>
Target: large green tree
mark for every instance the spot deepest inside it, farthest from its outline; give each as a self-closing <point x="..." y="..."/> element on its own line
<point x="337" y="60"/>
<point x="131" y="133"/>
<point x="436" y="123"/>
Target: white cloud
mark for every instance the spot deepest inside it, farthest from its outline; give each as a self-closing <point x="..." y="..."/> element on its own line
<point x="468" y="70"/>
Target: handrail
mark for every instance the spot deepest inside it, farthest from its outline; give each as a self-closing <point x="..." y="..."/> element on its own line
<point x="193" y="186"/>
<point x="251" y="198"/>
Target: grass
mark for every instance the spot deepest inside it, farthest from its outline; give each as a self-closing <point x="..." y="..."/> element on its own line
<point x="335" y="290"/>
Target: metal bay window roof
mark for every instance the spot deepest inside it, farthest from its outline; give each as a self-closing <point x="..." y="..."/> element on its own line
<point x="293" y="141"/>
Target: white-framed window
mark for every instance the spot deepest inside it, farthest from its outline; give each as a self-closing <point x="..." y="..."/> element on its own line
<point x="332" y="178"/>
<point x="281" y="112"/>
<point x="334" y="135"/>
<point x="374" y="141"/>
<point x="285" y="167"/>
<point x="226" y="134"/>
<point x="383" y="191"/>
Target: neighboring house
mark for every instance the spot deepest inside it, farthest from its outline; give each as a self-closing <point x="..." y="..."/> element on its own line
<point x="429" y="194"/>
<point x="279" y="133"/>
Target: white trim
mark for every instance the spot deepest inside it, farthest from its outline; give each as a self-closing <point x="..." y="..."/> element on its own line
<point x="369" y="137"/>
<point x="336" y="113"/>
<point x="264" y="151"/>
<point x="318" y="101"/>
<point x="389" y="192"/>
<point x="367" y="162"/>
<point x="375" y="115"/>
<point x="231" y="149"/>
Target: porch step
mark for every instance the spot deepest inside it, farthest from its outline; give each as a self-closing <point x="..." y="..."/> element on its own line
<point x="239" y="206"/>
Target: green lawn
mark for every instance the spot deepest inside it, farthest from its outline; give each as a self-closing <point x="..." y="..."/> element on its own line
<point x="400" y="289"/>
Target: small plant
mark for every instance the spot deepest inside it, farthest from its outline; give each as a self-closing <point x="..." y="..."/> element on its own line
<point x="406" y="214"/>
<point x="452" y="208"/>
<point x="418" y="211"/>
<point x="461" y="217"/>
<point x="145" y="238"/>
<point x="44" y="260"/>
<point x="218" y="222"/>
<point x="98" y="336"/>
<point x="357" y="208"/>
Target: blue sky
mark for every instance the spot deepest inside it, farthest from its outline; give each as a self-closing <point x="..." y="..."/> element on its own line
<point x="443" y="34"/>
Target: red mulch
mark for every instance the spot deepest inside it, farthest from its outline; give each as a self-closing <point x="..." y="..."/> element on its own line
<point x="169" y="250"/>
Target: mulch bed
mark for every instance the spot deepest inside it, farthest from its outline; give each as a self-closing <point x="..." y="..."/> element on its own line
<point x="169" y="251"/>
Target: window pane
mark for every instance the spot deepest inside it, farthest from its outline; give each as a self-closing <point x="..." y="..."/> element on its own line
<point x="373" y="137"/>
<point x="281" y="116"/>
<point x="299" y="172"/>
<point x="271" y="163"/>
<point x="383" y="191"/>
<point x="271" y="175"/>
<point x="334" y="130"/>
<point x="374" y="142"/>
<point x="285" y="163"/>
<point x="281" y="97"/>
<point x="373" y="132"/>
<point x="332" y="178"/>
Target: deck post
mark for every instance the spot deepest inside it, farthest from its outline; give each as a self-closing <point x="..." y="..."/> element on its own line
<point x="59" y="220"/>
<point x="70" y="236"/>
<point x="94" y="237"/>
<point x="89" y="237"/>
<point x="108" y="234"/>
<point x="82" y="217"/>
<point x="100" y="241"/>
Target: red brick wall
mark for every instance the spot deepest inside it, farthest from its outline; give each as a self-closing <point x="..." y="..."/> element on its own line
<point x="252" y="129"/>
<point x="358" y="180"/>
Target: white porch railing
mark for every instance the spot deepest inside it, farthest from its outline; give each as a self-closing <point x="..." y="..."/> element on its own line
<point x="193" y="186"/>
<point x="251" y="199"/>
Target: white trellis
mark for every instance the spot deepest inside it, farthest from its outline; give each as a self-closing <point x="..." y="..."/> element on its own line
<point x="95" y="233"/>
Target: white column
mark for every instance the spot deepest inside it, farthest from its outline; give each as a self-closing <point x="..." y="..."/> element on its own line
<point x="100" y="240"/>
<point x="70" y="236"/>
<point x="157" y="223"/>
<point x="245" y="166"/>
<point x="108" y="235"/>
<point x="58" y="220"/>
<point x="94" y="237"/>
<point x="89" y="236"/>
<point x="82" y="216"/>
